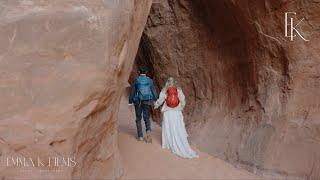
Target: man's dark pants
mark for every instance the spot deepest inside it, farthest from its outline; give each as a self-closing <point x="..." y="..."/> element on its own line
<point x="145" y="110"/>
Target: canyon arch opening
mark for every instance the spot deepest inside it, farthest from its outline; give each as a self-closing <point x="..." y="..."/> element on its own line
<point x="235" y="71"/>
<point x="253" y="95"/>
<point x="205" y="58"/>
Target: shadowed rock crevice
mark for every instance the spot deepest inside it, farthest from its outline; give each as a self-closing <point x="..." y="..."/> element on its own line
<point x="246" y="84"/>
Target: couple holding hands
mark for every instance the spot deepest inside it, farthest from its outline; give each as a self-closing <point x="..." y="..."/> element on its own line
<point x="143" y="95"/>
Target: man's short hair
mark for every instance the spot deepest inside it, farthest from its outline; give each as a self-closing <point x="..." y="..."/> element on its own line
<point x="143" y="70"/>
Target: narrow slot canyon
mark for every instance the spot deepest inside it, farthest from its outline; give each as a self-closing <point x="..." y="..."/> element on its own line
<point x="252" y="95"/>
<point x="238" y="81"/>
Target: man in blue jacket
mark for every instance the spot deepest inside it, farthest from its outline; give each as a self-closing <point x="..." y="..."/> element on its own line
<point x="143" y="94"/>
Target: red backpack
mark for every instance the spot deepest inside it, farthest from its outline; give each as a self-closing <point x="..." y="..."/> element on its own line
<point x="172" y="99"/>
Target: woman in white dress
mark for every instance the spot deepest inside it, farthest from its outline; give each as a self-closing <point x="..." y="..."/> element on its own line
<point x="174" y="134"/>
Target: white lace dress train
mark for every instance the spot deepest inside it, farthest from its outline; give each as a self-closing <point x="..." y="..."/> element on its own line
<point x="174" y="134"/>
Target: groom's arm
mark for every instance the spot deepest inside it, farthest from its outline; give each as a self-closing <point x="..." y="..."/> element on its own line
<point x="154" y="92"/>
<point x="132" y="94"/>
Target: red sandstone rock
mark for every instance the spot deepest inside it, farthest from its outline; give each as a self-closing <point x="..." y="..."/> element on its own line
<point x="63" y="67"/>
<point x="252" y="95"/>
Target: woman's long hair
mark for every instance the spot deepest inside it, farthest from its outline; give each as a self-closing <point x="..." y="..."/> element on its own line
<point x="170" y="82"/>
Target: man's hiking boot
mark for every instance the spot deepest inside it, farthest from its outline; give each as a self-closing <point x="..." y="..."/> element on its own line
<point x="149" y="138"/>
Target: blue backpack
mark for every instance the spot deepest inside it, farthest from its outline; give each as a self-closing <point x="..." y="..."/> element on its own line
<point x="144" y="85"/>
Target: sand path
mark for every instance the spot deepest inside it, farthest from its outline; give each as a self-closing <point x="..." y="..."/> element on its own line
<point x="150" y="161"/>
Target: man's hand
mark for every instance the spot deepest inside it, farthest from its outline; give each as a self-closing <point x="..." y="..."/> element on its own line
<point x="131" y="107"/>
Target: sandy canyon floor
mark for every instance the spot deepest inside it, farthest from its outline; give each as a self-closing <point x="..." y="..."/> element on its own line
<point x="150" y="161"/>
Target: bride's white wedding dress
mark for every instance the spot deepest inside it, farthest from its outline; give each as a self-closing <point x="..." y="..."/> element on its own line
<point x="174" y="134"/>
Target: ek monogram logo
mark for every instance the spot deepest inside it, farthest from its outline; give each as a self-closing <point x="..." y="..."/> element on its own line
<point x="292" y="31"/>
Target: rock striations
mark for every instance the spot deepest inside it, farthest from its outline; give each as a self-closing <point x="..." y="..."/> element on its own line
<point x="253" y="95"/>
<point x="63" y="67"/>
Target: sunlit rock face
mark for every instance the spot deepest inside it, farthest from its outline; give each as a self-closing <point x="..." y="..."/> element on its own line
<point x="63" y="67"/>
<point x="252" y="94"/>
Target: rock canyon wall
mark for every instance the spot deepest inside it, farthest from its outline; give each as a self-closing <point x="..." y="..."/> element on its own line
<point x="253" y="95"/>
<point x="63" y="67"/>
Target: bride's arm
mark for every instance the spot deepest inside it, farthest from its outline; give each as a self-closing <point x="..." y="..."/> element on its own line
<point x="181" y="98"/>
<point x="161" y="99"/>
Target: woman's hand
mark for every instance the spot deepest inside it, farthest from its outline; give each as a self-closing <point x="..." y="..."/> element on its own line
<point x="155" y="105"/>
